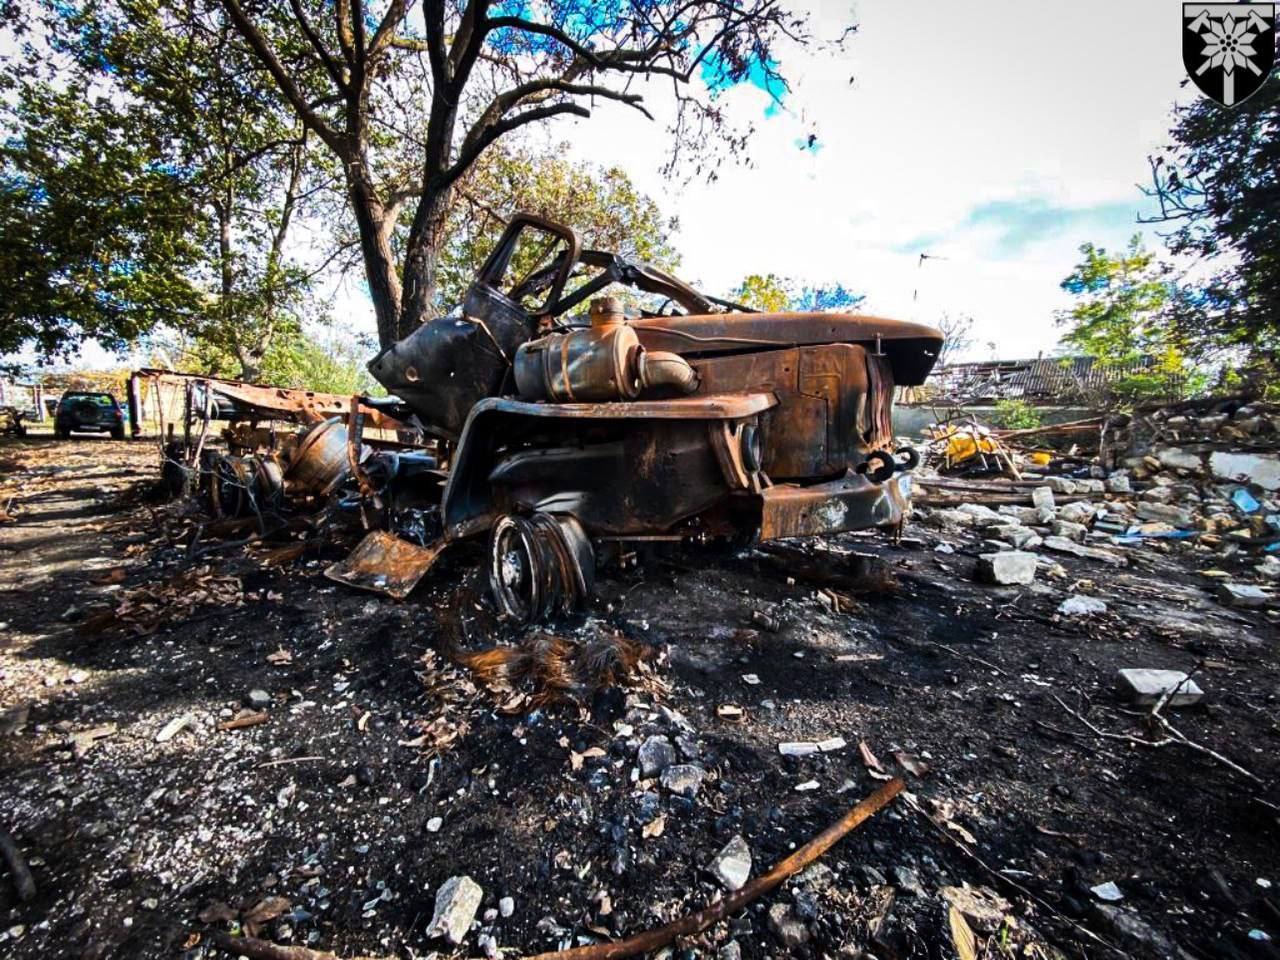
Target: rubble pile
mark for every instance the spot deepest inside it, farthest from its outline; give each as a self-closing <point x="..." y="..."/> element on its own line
<point x="1214" y="470"/>
<point x="1200" y="479"/>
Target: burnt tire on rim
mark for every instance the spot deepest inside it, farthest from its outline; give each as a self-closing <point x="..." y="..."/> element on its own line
<point x="540" y="566"/>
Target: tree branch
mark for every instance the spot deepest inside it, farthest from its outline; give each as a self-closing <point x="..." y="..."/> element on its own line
<point x="288" y="87"/>
<point x="330" y="65"/>
<point x="472" y="147"/>
<point x="386" y="31"/>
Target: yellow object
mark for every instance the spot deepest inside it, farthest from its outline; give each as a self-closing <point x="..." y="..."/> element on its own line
<point x="1040" y="458"/>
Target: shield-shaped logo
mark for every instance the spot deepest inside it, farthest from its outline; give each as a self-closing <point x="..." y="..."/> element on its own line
<point x="1228" y="48"/>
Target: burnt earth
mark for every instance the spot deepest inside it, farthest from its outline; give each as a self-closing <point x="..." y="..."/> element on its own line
<point x="323" y="818"/>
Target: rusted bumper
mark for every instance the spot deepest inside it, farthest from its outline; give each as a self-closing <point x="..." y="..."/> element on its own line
<point x="850" y="503"/>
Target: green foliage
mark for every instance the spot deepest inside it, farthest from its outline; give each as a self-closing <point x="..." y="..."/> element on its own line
<point x="1116" y="317"/>
<point x="1119" y="320"/>
<point x="602" y="205"/>
<point x="330" y="360"/>
<point x="96" y="239"/>
<point x="774" y="294"/>
<point x="149" y="180"/>
<point x="768" y="292"/>
<point x="1016" y="414"/>
<point x="1217" y="186"/>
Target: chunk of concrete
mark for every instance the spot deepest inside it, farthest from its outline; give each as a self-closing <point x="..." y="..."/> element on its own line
<point x="1242" y="595"/>
<point x="1060" y="484"/>
<point x="1166" y="513"/>
<point x="1078" y="606"/>
<point x="1180" y="458"/>
<point x="1072" y="531"/>
<point x="1063" y="545"/>
<point x="1006" y="568"/>
<point x="1119" y="483"/>
<point x="1260" y="468"/>
<point x="456" y="905"/>
<point x="1042" y="497"/>
<point x="1143" y="686"/>
<point x="732" y="865"/>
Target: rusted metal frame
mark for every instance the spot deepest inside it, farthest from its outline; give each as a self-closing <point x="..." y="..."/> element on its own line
<point x="355" y="434"/>
<point x="470" y="460"/>
<point x="310" y="405"/>
<point x="204" y="425"/>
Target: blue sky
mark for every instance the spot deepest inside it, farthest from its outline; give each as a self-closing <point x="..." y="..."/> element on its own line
<point x="998" y="135"/>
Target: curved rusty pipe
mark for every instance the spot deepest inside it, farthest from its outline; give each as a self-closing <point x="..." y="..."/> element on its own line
<point x="660" y="368"/>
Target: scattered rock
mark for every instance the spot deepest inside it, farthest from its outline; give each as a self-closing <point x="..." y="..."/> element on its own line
<point x="729" y="951"/>
<point x="1007" y="567"/>
<point x="1078" y="606"/>
<point x="258" y="699"/>
<point x="1107" y="891"/>
<point x="1119" y="483"/>
<point x="1143" y="686"/>
<point x="1242" y="595"/>
<point x="1262" y="469"/>
<point x="1127" y="925"/>
<point x="732" y="865"/>
<point x="908" y="881"/>
<point x="173" y="728"/>
<point x="789" y="930"/>
<point x="981" y="906"/>
<point x="798" y="748"/>
<point x="1072" y="531"/>
<point x="506" y="907"/>
<point x="655" y="755"/>
<point x="1166" y="513"/>
<point x="456" y="906"/>
<point x="1063" y="545"/>
<point x="1042" y="497"/>
<point x="684" y="779"/>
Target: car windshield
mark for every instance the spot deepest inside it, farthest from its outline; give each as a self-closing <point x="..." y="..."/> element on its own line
<point x="101" y="399"/>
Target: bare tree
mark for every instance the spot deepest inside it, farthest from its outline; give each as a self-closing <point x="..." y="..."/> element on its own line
<point x="408" y="108"/>
<point x="957" y="336"/>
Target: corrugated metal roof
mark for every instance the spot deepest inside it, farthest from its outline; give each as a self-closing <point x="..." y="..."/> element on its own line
<point x="1043" y="379"/>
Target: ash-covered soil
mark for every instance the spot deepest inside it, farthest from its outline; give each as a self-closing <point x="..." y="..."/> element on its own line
<point x="384" y="768"/>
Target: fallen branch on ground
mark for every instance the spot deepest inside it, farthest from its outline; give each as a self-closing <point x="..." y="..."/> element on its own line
<point x="256" y="949"/>
<point x="687" y="926"/>
<point x="1171" y="735"/>
<point x="245" y="720"/>
<point x="21" y="873"/>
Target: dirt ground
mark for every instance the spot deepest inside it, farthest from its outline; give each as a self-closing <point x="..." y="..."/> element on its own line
<point x="384" y="768"/>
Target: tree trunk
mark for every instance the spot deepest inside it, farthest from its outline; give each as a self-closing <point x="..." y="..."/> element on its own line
<point x="423" y="257"/>
<point x="251" y="366"/>
<point x="375" y="228"/>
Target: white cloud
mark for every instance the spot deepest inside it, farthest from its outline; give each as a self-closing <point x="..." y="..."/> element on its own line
<point x="951" y="106"/>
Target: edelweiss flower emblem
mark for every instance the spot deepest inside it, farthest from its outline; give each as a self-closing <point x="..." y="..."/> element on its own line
<point x="1228" y="48"/>
<point x="1229" y="44"/>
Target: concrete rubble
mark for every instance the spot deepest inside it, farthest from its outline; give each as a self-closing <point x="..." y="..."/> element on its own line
<point x="1144" y="686"/>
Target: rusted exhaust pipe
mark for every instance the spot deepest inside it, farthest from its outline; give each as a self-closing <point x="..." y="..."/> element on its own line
<point x="657" y="368"/>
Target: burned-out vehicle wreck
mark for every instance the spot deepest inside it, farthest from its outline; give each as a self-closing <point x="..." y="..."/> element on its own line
<point x="566" y="425"/>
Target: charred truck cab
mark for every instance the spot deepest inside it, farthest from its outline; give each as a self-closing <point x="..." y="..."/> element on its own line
<point x="701" y="420"/>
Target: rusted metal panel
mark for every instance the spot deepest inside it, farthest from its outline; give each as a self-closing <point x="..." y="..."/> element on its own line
<point x="850" y="503"/>
<point x="383" y="563"/>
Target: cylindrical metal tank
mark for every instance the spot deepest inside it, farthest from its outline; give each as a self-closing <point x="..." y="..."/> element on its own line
<point x="319" y="462"/>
